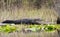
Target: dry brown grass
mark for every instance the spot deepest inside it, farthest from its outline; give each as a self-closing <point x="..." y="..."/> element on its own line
<point x="44" y="13"/>
<point x="10" y="11"/>
<point x="33" y="34"/>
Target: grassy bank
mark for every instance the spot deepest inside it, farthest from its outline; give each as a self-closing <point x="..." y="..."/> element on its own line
<point x="44" y="13"/>
<point x="19" y="9"/>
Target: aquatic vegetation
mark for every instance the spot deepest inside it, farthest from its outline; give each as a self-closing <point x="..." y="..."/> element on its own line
<point x="47" y="28"/>
<point x="33" y="28"/>
<point x="8" y="28"/>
